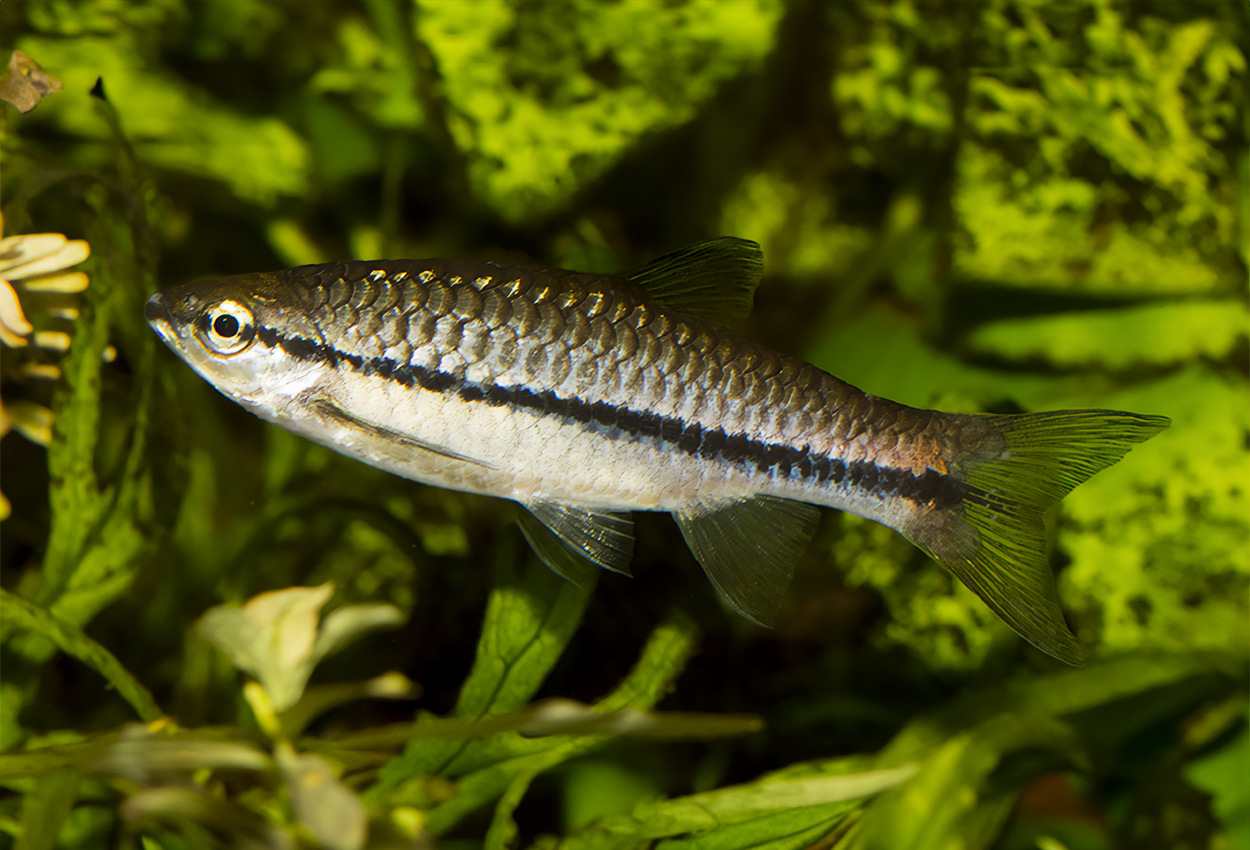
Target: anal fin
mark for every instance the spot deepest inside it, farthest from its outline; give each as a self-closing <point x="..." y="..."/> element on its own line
<point x="749" y="548"/>
<point x="603" y="538"/>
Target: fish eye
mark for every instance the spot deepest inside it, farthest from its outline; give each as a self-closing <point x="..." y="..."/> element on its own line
<point x="226" y="327"/>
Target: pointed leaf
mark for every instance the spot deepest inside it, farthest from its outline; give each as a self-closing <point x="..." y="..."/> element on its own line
<point x="272" y="637"/>
<point x="329" y="809"/>
<point x="345" y="625"/>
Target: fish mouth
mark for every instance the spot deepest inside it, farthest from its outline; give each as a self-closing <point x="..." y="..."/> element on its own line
<point x="161" y="320"/>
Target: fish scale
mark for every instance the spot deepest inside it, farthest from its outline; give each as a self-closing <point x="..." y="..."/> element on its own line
<point x="556" y="319"/>
<point x="670" y="367"/>
<point x="585" y="396"/>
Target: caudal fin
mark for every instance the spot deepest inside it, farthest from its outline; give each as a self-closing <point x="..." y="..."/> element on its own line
<point x="1015" y="468"/>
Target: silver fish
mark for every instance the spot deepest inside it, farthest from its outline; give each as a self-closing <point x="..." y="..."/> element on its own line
<point x="585" y="396"/>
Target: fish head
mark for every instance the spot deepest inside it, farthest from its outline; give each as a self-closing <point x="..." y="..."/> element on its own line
<point x="225" y="330"/>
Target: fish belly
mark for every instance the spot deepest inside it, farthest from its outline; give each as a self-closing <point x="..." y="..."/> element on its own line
<point x="516" y="453"/>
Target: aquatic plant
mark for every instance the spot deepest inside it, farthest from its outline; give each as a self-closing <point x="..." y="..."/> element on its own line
<point x="995" y="206"/>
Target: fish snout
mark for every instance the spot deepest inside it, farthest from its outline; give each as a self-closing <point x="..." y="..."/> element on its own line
<point x="156" y="312"/>
<point x="162" y="321"/>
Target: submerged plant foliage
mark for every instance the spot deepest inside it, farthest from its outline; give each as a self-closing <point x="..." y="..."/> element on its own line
<point x="217" y="634"/>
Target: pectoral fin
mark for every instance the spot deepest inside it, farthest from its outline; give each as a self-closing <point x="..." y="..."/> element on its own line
<point x="748" y="549"/>
<point x="605" y="539"/>
<point x="330" y="410"/>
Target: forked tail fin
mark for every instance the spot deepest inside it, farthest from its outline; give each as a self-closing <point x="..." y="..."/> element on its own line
<point x="1013" y="470"/>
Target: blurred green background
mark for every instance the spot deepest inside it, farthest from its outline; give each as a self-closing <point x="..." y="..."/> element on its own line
<point x="973" y="205"/>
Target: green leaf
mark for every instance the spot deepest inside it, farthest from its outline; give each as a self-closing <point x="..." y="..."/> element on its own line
<point x="542" y="99"/>
<point x="19" y="613"/>
<point x="1225" y="775"/>
<point x="171" y="124"/>
<point x="271" y="637"/>
<point x="138" y="753"/>
<point x="934" y="809"/>
<point x="97" y="536"/>
<point x="179" y="804"/>
<point x="566" y="717"/>
<point x="343" y="626"/>
<point x="334" y="815"/>
<point x="277" y="636"/>
<point x="530" y="617"/>
<point x="592" y="789"/>
<point x="545" y="719"/>
<point x="782" y="808"/>
<point x="1154" y="335"/>
<point x="1064" y="694"/>
<point x="1160" y="543"/>
<point x="45" y="808"/>
<point x="663" y="658"/>
<point x="321" y="698"/>
<point x="78" y="506"/>
<point x="796" y="829"/>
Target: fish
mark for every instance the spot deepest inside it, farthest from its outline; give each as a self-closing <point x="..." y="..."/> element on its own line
<point x="585" y="397"/>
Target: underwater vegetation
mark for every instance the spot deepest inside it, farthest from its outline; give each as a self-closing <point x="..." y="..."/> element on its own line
<point x="216" y="633"/>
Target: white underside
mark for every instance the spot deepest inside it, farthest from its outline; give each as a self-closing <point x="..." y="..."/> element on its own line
<point x="523" y="455"/>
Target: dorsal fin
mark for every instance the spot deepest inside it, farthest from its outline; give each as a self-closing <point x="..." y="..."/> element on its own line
<point x="713" y="280"/>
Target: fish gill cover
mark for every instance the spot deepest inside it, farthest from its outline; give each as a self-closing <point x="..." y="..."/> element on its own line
<point x="218" y="634"/>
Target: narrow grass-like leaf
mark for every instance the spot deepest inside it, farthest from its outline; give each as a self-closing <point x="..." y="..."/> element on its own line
<point x="137" y="753"/>
<point x="69" y="639"/>
<point x="177" y="804"/>
<point x="321" y="698"/>
<point x="548" y="718"/>
<point x="139" y="756"/>
<point x="783" y="809"/>
<point x="45" y="808"/>
<point x="503" y="829"/>
<point x="97" y="534"/>
<point x="45" y="760"/>
<point x="795" y="829"/>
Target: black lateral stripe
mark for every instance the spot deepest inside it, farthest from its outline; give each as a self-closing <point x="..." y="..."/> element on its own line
<point x="929" y="488"/>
